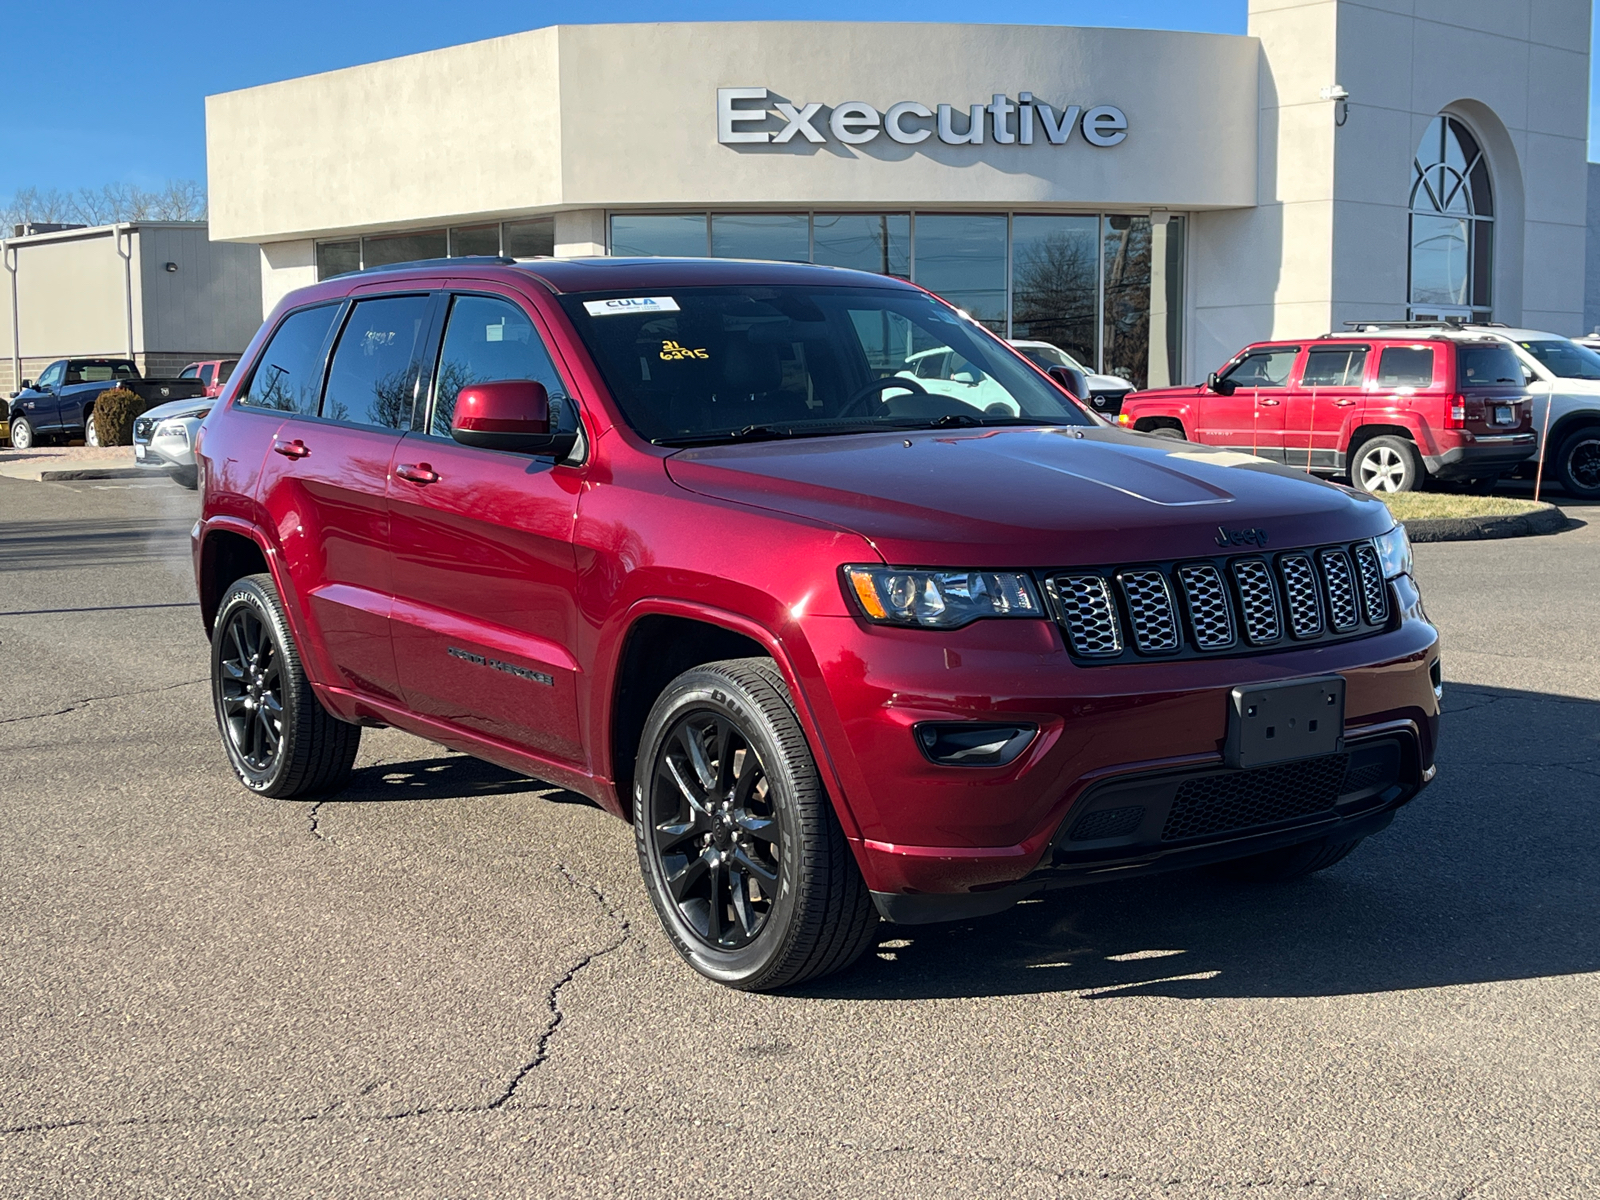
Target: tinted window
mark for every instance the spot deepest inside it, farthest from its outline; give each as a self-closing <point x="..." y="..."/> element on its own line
<point x="711" y="364"/>
<point x="226" y="372"/>
<point x="1406" y="366"/>
<point x="189" y="372"/>
<point x="289" y="375"/>
<point x="489" y="340"/>
<point x="370" y="381"/>
<point x="103" y="371"/>
<point x="206" y="372"/>
<point x="1566" y="359"/>
<point x="1264" y="368"/>
<point x="1342" y="367"/>
<point x="1487" y="366"/>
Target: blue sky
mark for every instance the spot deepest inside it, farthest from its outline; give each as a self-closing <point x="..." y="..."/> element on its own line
<point x="121" y="97"/>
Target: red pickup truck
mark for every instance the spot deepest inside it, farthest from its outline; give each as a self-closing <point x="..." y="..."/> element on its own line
<point x="694" y="539"/>
<point x="1389" y="411"/>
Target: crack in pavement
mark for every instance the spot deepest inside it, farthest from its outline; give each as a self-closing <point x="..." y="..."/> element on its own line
<point x="88" y="700"/>
<point x="316" y="821"/>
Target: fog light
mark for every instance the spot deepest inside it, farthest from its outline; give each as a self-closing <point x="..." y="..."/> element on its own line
<point x="972" y="744"/>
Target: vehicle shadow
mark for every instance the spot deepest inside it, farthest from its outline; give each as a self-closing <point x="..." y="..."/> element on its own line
<point x="446" y="777"/>
<point x="53" y="545"/>
<point x="1492" y="873"/>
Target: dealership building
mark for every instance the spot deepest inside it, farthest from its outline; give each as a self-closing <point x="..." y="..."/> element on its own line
<point x="1147" y="200"/>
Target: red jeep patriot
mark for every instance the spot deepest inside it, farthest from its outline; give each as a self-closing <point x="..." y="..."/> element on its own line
<point x="693" y="538"/>
<point x="1388" y="407"/>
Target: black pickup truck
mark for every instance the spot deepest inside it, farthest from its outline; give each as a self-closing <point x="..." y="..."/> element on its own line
<point x="57" y="405"/>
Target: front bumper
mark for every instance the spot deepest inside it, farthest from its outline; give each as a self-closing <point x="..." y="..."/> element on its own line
<point x="1498" y="454"/>
<point x="920" y="829"/>
<point x="170" y="444"/>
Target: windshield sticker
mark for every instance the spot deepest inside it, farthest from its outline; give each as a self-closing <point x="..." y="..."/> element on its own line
<point x="672" y="352"/>
<point x="630" y="304"/>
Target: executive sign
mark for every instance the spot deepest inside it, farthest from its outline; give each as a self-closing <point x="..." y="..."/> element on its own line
<point x="1024" y="122"/>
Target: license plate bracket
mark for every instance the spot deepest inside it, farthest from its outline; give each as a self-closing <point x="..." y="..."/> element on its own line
<point x="1504" y="414"/>
<point x="1279" y="722"/>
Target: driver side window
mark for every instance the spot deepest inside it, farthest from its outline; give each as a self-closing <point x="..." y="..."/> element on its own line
<point x="488" y="340"/>
<point x="53" y="374"/>
<point x="1265" y="368"/>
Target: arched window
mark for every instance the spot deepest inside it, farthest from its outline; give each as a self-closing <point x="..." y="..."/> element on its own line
<point x="1452" y="225"/>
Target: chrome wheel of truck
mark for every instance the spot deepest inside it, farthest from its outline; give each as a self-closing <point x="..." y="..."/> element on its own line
<point x="21" y="434"/>
<point x="742" y="854"/>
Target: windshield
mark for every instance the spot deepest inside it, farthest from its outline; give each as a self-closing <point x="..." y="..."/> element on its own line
<point x="721" y="364"/>
<point x="1050" y="356"/>
<point x="1565" y="359"/>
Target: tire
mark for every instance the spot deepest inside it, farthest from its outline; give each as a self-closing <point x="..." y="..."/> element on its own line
<point x="1385" y="465"/>
<point x="22" y="436"/>
<point x="1578" y="463"/>
<point x="1167" y="431"/>
<point x="1291" y="862"/>
<point x="793" y="905"/>
<point x="91" y="432"/>
<point x="280" y="740"/>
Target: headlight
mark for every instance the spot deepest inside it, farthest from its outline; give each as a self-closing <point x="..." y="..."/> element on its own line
<point x="1394" y="551"/>
<point x="173" y="429"/>
<point x="940" y="599"/>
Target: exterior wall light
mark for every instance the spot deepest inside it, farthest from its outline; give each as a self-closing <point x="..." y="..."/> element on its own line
<point x="1341" y="101"/>
<point x="172" y="268"/>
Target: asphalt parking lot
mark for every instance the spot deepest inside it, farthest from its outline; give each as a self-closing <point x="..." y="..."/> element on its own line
<point x="448" y="981"/>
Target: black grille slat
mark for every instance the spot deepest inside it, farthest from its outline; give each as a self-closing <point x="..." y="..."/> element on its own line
<point x="1089" y="615"/>
<point x="1150" y="611"/>
<point x="1343" y="614"/>
<point x="1206" y="598"/>
<point x="1239" y="800"/>
<point x="1374" y="592"/>
<point x="1301" y="597"/>
<point x="1258" y="599"/>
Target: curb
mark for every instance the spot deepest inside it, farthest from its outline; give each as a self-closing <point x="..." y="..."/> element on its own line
<point x="97" y="473"/>
<point x="1547" y="518"/>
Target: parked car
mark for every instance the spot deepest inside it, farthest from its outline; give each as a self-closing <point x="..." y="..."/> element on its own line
<point x="692" y="538"/>
<point x="1390" y="408"/>
<point x="164" y="437"/>
<point x="213" y="373"/>
<point x="58" y="405"/>
<point x="1564" y="377"/>
<point x="1106" y="392"/>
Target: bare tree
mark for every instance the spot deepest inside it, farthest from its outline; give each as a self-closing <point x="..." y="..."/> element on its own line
<point x="177" y="200"/>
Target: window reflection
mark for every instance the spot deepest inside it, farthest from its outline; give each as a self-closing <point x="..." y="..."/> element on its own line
<point x="674" y="236"/>
<point x="403" y="247"/>
<point x="772" y="236"/>
<point x="864" y="242"/>
<point x="963" y="260"/>
<point x="1054" y="264"/>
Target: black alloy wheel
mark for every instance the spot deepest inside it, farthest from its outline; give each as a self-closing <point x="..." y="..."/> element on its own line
<point x="250" y="689"/>
<point x="739" y="845"/>
<point x="280" y="741"/>
<point x="1578" y="463"/>
<point x="715" y="829"/>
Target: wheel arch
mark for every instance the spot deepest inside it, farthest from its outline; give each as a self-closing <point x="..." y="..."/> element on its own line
<point x="662" y="639"/>
<point x="1149" y="424"/>
<point x="1569" y="424"/>
<point x="227" y="554"/>
<point x="1366" y="432"/>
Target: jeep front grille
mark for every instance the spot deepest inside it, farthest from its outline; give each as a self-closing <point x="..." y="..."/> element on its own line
<point x="1211" y="606"/>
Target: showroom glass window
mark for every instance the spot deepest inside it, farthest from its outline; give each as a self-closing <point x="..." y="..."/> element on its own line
<point x="1452" y="225"/>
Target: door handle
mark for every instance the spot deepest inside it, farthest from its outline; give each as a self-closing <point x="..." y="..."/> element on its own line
<point x="1343" y="403"/>
<point x="1270" y="403"/>
<point x="420" y="473"/>
<point x="294" y="449"/>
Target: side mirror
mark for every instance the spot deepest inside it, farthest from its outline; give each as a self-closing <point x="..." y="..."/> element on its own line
<point x="1528" y="377"/>
<point x="509" y="414"/>
<point x="1070" y="381"/>
<point x="27" y="383"/>
<point x="1221" y="386"/>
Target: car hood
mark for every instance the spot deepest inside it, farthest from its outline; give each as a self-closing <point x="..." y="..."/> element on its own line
<point x="176" y="408"/>
<point x="1109" y="383"/>
<point x="1030" y="497"/>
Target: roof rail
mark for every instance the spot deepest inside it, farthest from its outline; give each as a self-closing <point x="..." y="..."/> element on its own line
<point x="1446" y="323"/>
<point x="455" y="261"/>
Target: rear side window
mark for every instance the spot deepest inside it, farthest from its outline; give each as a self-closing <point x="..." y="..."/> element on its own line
<point x="226" y="371"/>
<point x="289" y="374"/>
<point x="1342" y="367"/>
<point x="488" y="340"/>
<point x="188" y="372"/>
<point x="371" y="379"/>
<point x="1487" y="366"/>
<point x="1406" y="366"/>
<point x="205" y="374"/>
<point x="1265" y="368"/>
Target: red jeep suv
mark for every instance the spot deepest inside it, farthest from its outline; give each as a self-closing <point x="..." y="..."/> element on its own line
<point x="1389" y="409"/>
<point x="693" y="539"/>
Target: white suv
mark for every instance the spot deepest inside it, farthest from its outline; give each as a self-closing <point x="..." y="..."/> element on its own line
<point x="1564" y="384"/>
